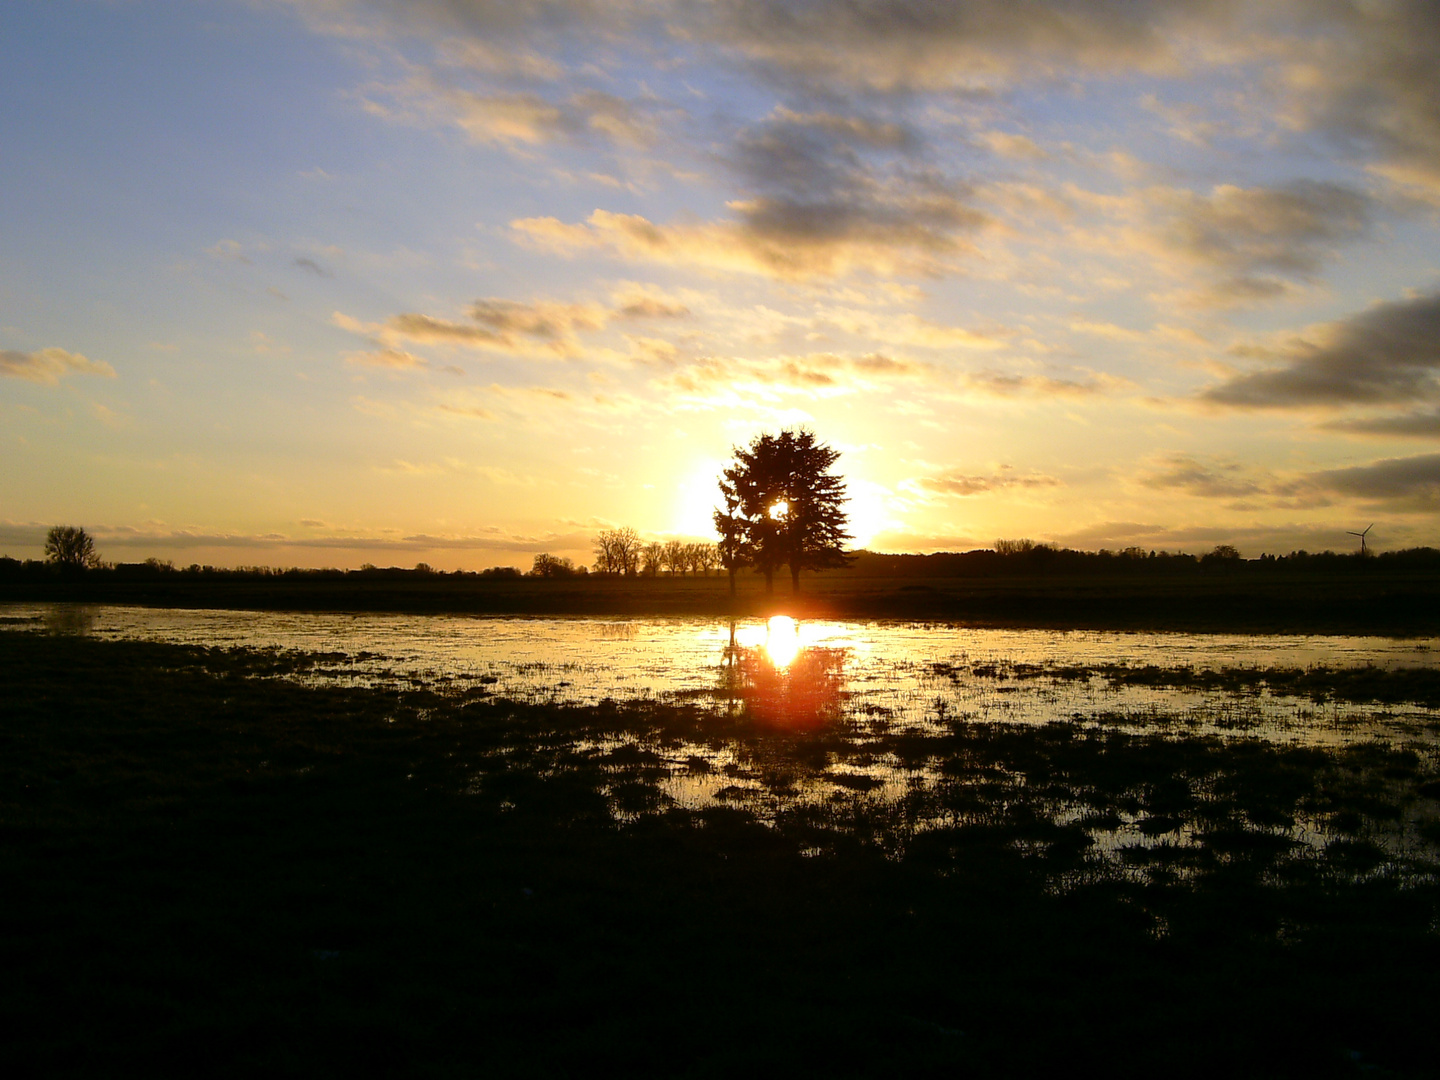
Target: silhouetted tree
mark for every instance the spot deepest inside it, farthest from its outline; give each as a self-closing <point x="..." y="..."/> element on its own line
<point x="700" y="557"/>
<point x="1014" y="547"/>
<point x="652" y="558"/>
<point x="677" y="556"/>
<point x="733" y="550"/>
<point x="551" y="566"/>
<point x="783" y="499"/>
<point x="707" y="557"/>
<point x="70" y="548"/>
<point x="617" y="551"/>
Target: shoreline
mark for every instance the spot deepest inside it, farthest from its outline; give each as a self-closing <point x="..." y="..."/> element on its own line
<point x="1391" y="605"/>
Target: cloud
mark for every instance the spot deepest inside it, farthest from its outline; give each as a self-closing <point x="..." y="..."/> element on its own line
<point x="534" y="328"/>
<point x="1410" y="425"/>
<point x="1098" y="328"/>
<point x="1386" y="354"/>
<point x="1361" y="74"/>
<point x="230" y="250"/>
<point x="427" y="328"/>
<point x="634" y="301"/>
<point x="516" y="119"/>
<point x="397" y="359"/>
<point x="778" y="238"/>
<point x="907" y="328"/>
<point x="813" y="375"/>
<point x="1005" y="385"/>
<point x="313" y="267"/>
<point x="49" y="366"/>
<point x="1010" y="145"/>
<point x="1255" y="243"/>
<point x="454" y="467"/>
<point x="957" y="484"/>
<point x="547" y="322"/>
<point x="1372" y="84"/>
<point x="1215" y="479"/>
<point x="1410" y="485"/>
<point x="908" y="45"/>
<point x="822" y="195"/>
<point x="473" y="412"/>
<point x="1402" y="485"/>
<point x="486" y="539"/>
<point x="1242" y="487"/>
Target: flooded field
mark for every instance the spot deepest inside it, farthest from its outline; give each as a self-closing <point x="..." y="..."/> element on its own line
<point x="904" y="675"/>
<point x="385" y="806"/>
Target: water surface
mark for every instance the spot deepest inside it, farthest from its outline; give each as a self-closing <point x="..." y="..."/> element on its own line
<point x="903" y="673"/>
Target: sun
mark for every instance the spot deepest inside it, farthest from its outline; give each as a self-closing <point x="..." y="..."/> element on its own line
<point x="866" y="513"/>
<point x="696" y="497"/>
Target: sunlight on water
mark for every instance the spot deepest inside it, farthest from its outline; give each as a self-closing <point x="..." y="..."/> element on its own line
<point x="869" y="728"/>
<point x="802" y="675"/>
<point x="782" y="642"/>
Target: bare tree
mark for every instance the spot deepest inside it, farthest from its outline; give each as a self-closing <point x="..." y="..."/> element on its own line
<point x="70" y="548"/>
<point x="617" y="551"/>
<point x="676" y="560"/>
<point x="652" y="558"/>
<point x="707" y="558"/>
<point x="693" y="558"/>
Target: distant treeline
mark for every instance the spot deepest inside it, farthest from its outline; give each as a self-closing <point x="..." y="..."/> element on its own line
<point x="1013" y="558"/>
<point x="163" y="569"/>
<point x="1023" y="558"/>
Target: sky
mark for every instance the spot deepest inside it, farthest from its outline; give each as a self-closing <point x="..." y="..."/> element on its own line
<point x="327" y="282"/>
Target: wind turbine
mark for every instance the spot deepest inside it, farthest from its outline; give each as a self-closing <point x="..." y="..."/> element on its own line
<point x="1352" y="532"/>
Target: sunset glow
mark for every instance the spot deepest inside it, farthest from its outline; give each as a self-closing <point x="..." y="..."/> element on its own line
<point x="324" y="282"/>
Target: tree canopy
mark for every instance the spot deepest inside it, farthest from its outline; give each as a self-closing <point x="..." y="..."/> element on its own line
<point x="70" y="548"/>
<point x="782" y="506"/>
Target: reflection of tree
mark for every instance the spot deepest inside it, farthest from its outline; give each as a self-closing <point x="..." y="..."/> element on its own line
<point x="70" y="620"/>
<point x="802" y="695"/>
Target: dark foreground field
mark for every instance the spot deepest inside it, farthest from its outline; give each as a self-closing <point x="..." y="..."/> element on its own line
<point x="210" y="871"/>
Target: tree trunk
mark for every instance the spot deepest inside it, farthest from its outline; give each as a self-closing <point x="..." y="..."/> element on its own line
<point x="794" y="578"/>
<point x="769" y="582"/>
<point x="732" y="581"/>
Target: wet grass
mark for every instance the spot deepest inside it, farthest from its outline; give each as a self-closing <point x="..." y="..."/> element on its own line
<point x="1407" y="685"/>
<point x="211" y="867"/>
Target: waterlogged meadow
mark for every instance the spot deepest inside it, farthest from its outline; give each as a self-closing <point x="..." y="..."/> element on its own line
<point x="1266" y="684"/>
<point x="904" y="732"/>
<point x="528" y="846"/>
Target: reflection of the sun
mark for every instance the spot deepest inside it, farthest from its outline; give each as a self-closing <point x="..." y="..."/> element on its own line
<point x="781" y="638"/>
<point x="782" y="673"/>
